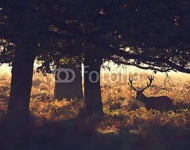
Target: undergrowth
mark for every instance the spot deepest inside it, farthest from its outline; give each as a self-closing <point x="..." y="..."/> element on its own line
<point x="122" y="112"/>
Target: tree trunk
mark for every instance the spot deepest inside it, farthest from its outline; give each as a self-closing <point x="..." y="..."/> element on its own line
<point x="92" y="89"/>
<point x="21" y="82"/>
<point x="72" y="89"/>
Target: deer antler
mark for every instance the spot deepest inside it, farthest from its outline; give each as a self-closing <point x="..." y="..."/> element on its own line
<point x="130" y="83"/>
<point x="148" y="84"/>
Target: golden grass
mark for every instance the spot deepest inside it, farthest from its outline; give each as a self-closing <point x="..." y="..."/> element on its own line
<point x="121" y="110"/>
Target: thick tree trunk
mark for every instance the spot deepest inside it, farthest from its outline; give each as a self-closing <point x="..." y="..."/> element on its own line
<point x="72" y="89"/>
<point x="92" y="91"/>
<point x="21" y="82"/>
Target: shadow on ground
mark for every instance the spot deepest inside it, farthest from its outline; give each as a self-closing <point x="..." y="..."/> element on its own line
<point x="74" y="134"/>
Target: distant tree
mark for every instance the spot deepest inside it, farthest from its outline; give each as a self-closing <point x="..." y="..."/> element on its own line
<point x="70" y="90"/>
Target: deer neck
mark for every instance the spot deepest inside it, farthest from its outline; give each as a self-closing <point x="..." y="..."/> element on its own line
<point x="143" y="98"/>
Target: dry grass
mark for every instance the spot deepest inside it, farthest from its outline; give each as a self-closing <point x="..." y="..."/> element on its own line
<point x="123" y="112"/>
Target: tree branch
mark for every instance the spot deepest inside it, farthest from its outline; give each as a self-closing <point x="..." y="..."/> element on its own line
<point x="145" y="68"/>
<point x="113" y="51"/>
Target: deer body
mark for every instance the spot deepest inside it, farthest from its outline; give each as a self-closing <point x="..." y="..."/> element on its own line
<point x="158" y="103"/>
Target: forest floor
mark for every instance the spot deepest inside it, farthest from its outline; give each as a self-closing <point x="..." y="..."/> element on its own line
<point x="126" y="125"/>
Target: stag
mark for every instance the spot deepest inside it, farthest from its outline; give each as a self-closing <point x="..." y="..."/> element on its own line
<point x="158" y="103"/>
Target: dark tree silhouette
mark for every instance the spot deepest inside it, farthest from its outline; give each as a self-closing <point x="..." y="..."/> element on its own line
<point x="20" y="25"/>
<point x="92" y="90"/>
<point x="21" y="82"/>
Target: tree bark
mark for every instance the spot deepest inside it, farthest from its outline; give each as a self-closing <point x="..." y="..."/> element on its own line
<point x="92" y="89"/>
<point x="70" y="90"/>
<point x="21" y="82"/>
